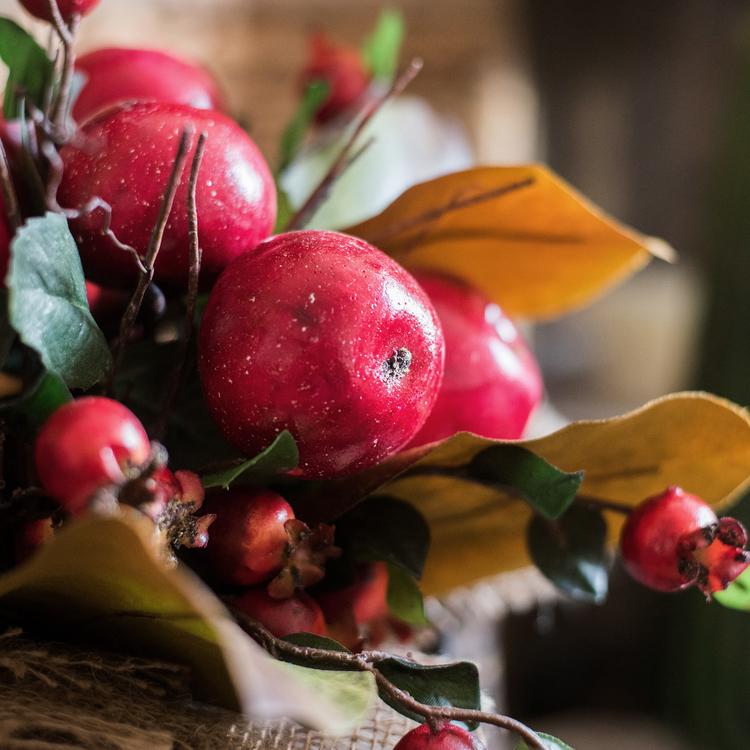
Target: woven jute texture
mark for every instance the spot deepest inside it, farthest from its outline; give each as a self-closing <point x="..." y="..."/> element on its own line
<point x="57" y="697"/>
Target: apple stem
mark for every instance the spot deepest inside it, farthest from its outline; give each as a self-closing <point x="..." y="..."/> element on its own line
<point x="196" y="255"/>
<point x="345" y="158"/>
<point x="367" y="661"/>
<point x="146" y="265"/>
<point x="67" y="34"/>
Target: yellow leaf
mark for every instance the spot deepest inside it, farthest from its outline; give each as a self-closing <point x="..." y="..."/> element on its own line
<point x="520" y="234"/>
<point x="694" y="440"/>
<point x="101" y="579"/>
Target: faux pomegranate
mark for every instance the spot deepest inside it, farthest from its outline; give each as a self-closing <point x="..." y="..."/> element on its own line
<point x="68" y="8"/>
<point x="85" y="445"/>
<point x="282" y="617"/>
<point x="341" y="68"/>
<point x="248" y="539"/>
<point x="125" y="157"/>
<point x="674" y="540"/>
<point x="447" y="737"/>
<point x="322" y="334"/>
<point x="492" y="381"/>
<point x="117" y="74"/>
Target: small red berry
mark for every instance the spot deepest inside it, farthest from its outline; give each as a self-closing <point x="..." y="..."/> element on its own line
<point x="674" y="540"/>
<point x="85" y="445"/>
<point x="116" y="74"/>
<point x="248" y="539"/>
<point x="324" y="335"/>
<point x="282" y="617"/>
<point x="448" y="737"/>
<point x="68" y="8"/>
<point x="125" y="156"/>
<point x="342" y="69"/>
<point x="492" y="381"/>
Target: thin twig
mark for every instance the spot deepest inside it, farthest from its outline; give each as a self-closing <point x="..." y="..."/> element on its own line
<point x="456" y="204"/>
<point x="602" y="504"/>
<point x="367" y="661"/>
<point x="10" y="199"/>
<point x="146" y="268"/>
<point x="342" y="161"/>
<point x="67" y="33"/>
<point x="192" y="295"/>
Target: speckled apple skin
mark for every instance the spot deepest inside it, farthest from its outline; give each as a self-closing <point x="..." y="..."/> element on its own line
<point x="492" y="381"/>
<point x="298" y="334"/>
<point x="118" y="74"/>
<point x="125" y="157"/>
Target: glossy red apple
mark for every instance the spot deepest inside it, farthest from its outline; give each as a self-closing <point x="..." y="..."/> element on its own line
<point x="68" y="8"/>
<point x="125" y="158"/>
<point x="322" y="334"/>
<point x="117" y="74"/>
<point x="492" y="381"/>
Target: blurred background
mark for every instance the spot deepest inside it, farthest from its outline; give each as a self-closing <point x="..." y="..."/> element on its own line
<point x="644" y="107"/>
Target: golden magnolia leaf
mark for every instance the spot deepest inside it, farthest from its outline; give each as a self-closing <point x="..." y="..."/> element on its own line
<point x="101" y="579"/>
<point x="520" y="234"/>
<point x="694" y="440"/>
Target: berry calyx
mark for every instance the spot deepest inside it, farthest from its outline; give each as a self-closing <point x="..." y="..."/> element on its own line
<point x="674" y="540"/>
<point x="282" y="617"/>
<point x="324" y="335"/>
<point x="117" y="74"/>
<point x="248" y="540"/>
<point x="85" y="445"/>
<point x="135" y="145"/>
<point x="447" y="737"/>
<point x="492" y="382"/>
<point x="341" y="68"/>
<point x="68" y="8"/>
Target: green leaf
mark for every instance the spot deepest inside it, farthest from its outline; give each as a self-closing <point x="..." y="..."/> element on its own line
<point x="294" y="133"/>
<point x="546" y="488"/>
<point x="284" y="209"/>
<point x="380" y="52"/>
<point x="39" y="404"/>
<point x="281" y="456"/>
<point x="572" y="552"/>
<point x="383" y="528"/>
<point x="551" y="743"/>
<point x="311" y="640"/>
<point x="439" y="685"/>
<point x="404" y="597"/>
<point x="737" y="594"/>
<point x="29" y="69"/>
<point x="47" y="303"/>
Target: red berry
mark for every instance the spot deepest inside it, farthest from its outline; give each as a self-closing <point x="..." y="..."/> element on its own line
<point x="118" y="74"/>
<point x="492" y="381"/>
<point x="125" y="158"/>
<point x="674" y="540"/>
<point x="68" y="8"/>
<point x="298" y="614"/>
<point x="342" y="69"/>
<point x="324" y="335"/>
<point x="248" y="540"/>
<point x="448" y="737"/>
<point x="85" y="445"/>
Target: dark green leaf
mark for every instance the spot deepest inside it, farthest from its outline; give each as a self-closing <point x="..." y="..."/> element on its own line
<point x="550" y="742"/>
<point x="404" y="597"/>
<point x="284" y="209"/>
<point x="381" y="50"/>
<point x="546" y="488"/>
<point x="310" y="640"/>
<point x="7" y="334"/>
<point x="281" y="456"/>
<point x="43" y="395"/>
<point x="47" y="303"/>
<point x="294" y="133"/>
<point x="572" y="552"/>
<point x="442" y="685"/>
<point x="737" y="594"/>
<point x="383" y="528"/>
<point x="29" y="69"/>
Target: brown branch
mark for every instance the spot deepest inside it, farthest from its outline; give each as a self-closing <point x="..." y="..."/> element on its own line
<point x="146" y="268"/>
<point x="67" y="34"/>
<point x="367" y="661"/>
<point x="342" y="161"/>
<point x="456" y="204"/>
<point x="602" y="504"/>
<point x="10" y="199"/>
<point x="192" y="295"/>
